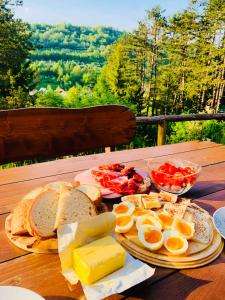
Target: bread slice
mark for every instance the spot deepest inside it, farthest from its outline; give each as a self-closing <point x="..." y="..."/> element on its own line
<point x="201" y="220"/>
<point x="33" y="194"/>
<point x="74" y="206"/>
<point x="19" y="216"/>
<point x="177" y="210"/>
<point x="18" y="224"/>
<point x="42" y="214"/>
<point x="56" y="185"/>
<point x="92" y="192"/>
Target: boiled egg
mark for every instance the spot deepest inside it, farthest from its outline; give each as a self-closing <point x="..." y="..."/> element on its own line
<point x="151" y="237"/>
<point x="123" y="223"/>
<point x="185" y="228"/>
<point x="139" y="212"/>
<point x="174" y="242"/>
<point x="148" y="220"/>
<point x="166" y="220"/>
<point x="123" y="208"/>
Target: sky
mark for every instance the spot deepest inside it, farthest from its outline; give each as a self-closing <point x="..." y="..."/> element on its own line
<point x="120" y="14"/>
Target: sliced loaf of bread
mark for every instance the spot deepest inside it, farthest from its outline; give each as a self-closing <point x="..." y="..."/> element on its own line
<point x="56" y="185"/>
<point x="18" y="224"/>
<point x="42" y="214"/>
<point x="74" y="206"/>
<point x="91" y="191"/>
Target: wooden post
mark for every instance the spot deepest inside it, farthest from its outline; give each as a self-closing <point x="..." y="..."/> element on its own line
<point x="107" y="149"/>
<point x="161" y="138"/>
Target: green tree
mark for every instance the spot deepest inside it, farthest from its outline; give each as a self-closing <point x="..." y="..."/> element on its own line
<point x="15" y="46"/>
<point x="49" y="99"/>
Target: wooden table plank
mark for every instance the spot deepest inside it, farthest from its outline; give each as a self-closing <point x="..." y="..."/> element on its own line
<point x="210" y="180"/>
<point x="34" y="261"/>
<point x="41" y="273"/>
<point x="84" y="162"/>
<point x="201" y="283"/>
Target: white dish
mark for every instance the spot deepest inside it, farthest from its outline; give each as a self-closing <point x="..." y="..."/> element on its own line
<point x="17" y="293"/>
<point x="87" y="178"/>
<point x="219" y="221"/>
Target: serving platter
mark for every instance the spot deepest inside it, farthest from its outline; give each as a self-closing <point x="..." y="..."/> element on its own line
<point x="198" y="254"/>
<point x="86" y="177"/>
<point x="35" y="245"/>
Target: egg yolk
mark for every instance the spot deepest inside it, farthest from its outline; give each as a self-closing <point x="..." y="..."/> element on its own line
<point x="148" y="222"/>
<point x="183" y="228"/>
<point x="122" y="221"/>
<point x="139" y="212"/>
<point x="166" y="220"/>
<point x="174" y="243"/>
<point x="152" y="236"/>
<point x="121" y="209"/>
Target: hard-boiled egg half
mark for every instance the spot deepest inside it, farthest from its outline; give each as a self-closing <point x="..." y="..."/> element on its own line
<point x="139" y="212"/>
<point x="124" y="223"/>
<point x="166" y="220"/>
<point x="151" y="237"/>
<point x="185" y="228"/>
<point x="123" y="208"/>
<point x="148" y="220"/>
<point x="174" y="242"/>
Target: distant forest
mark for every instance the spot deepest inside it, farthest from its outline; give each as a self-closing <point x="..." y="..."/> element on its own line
<point x="167" y="65"/>
<point x="66" y="55"/>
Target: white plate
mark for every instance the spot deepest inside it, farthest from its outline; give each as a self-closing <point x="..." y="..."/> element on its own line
<point x="219" y="221"/>
<point x="17" y="293"/>
<point x="87" y="178"/>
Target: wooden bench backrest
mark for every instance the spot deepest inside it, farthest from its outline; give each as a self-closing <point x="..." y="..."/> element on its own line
<point x="52" y="132"/>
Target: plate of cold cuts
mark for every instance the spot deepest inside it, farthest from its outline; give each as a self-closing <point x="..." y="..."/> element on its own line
<point x="116" y="180"/>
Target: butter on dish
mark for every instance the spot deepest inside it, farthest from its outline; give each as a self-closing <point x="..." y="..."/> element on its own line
<point x="98" y="259"/>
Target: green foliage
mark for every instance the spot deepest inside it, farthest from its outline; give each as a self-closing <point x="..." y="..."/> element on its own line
<point x="197" y="130"/>
<point x="174" y="65"/>
<point x="50" y="99"/>
<point x="67" y="55"/>
<point x="15" y="46"/>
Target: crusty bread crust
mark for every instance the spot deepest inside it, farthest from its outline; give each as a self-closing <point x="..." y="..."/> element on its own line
<point x="19" y="218"/>
<point x="42" y="214"/>
<point x="73" y="206"/>
<point x="92" y="192"/>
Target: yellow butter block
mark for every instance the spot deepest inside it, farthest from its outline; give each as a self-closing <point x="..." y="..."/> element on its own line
<point x="98" y="259"/>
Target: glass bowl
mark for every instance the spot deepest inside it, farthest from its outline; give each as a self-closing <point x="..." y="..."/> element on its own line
<point x="175" y="176"/>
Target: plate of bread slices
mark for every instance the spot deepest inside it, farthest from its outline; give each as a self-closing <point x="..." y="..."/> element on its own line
<point x="166" y="230"/>
<point x="33" y="224"/>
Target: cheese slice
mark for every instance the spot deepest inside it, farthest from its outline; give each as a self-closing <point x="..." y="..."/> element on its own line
<point x="151" y="201"/>
<point x="98" y="259"/>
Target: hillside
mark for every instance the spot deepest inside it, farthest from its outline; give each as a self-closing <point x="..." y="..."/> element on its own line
<point x="66" y="55"/>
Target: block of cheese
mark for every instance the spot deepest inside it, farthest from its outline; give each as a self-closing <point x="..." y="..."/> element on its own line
<point x="98" y="259"/>
<point x="151" y="201"/>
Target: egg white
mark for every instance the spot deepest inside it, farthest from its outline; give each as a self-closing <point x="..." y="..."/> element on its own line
<point x="125" y="228"/>
<point x="150" y="246"/>
<point x="153" y="218"/>
<point x="165" y="226"/>
<point x="140" y="216"/>
<point x="130" y="206"/>
<point x="190" y="224"/>
<point x="167" y="234"/>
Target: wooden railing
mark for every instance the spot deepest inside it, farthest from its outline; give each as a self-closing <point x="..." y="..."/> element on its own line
<point x="163" y="120"/>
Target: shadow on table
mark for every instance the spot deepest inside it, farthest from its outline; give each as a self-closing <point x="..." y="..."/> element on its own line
<point x="203" y="188"/>
<point x="174" y="287"/>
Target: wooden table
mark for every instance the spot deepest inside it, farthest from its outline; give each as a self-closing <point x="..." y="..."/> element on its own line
<point x="41" y="273"/>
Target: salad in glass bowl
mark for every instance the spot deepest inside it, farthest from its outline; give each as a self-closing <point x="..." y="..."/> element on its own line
<point x="175" y="176"/>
